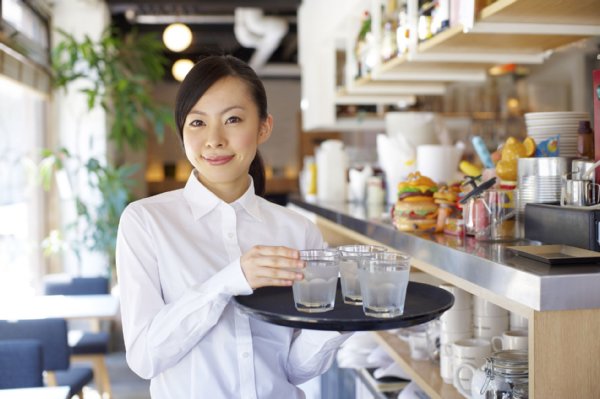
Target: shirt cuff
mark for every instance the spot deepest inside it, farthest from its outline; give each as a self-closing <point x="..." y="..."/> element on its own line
<point x="328" y="340"/>
<point x="230" y="280"/>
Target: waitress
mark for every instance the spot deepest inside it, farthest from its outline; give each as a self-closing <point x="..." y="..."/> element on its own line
<point x="183" y="255"/>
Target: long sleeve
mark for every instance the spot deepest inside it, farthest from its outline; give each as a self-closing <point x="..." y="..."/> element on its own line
<point x="158" y="335"/>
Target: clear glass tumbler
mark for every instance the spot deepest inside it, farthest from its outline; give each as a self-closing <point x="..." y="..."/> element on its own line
<point x="383" y="283"/>
<point x="316" y="292"/>
<point x="350" y="257"/>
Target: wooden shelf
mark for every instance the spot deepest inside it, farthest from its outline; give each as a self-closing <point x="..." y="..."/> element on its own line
<point x="518" y="27"/>
<point x="425" y="373"/>
<point x="583" y="12"/>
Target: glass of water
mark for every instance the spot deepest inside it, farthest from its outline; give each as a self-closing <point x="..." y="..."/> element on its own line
<point x="316" y="292"/>
<point x="383" y="283"/>
<point x="350" y="257"/>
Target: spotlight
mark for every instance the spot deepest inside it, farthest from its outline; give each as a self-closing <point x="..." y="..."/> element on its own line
<point x="181" y="68"/>
<point x="177" y="37"/>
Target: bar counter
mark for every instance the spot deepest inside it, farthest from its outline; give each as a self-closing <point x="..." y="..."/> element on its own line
<point x="561" y="303"/>
<point x="489" y="265"/>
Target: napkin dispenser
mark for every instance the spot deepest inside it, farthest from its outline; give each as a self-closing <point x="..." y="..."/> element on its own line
<point x="568" y="225"/>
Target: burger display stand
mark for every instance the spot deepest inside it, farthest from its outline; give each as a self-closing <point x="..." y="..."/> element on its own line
<point x="562" y="303"/>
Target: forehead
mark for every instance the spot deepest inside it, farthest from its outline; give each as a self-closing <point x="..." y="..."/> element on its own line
<point x="225" y="91"/>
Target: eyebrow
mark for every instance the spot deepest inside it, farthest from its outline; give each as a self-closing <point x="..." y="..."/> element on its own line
<point x="195" y="111"/>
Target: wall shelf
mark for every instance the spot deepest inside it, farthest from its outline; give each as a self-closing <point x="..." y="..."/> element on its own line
<point x="424" y="372"/>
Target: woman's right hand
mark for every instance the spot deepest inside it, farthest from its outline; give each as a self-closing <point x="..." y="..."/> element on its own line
<point x="271" y="266"/>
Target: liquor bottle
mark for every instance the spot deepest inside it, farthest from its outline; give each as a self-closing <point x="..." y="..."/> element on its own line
<point x="585" y="141"/>
<point x="360" y="46"/>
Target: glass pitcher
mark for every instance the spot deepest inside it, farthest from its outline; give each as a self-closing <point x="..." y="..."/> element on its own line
<point x="507" y="374"/>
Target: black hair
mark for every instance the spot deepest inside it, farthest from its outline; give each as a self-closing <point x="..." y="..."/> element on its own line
<point x="201" y="77"/>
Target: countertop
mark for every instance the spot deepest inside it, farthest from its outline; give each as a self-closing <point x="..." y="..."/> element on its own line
<point x="489" y="265"/>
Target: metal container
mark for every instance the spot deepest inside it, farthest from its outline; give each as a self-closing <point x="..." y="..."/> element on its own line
<point x="580" y="167"/>
<point x="539" y="179"/>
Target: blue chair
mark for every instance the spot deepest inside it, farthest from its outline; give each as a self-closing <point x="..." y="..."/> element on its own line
<point x="89" y="346"/>
<point x="52" y="335"/>
<point x="21" y="364"/>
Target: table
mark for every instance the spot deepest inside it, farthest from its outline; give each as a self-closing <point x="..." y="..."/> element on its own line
<point x="70" y="307"/>
<point x="35" y="393"/>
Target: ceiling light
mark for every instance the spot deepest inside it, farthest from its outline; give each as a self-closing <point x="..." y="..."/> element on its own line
<point x="181" y="68"/>
<point x="177" y="37"/>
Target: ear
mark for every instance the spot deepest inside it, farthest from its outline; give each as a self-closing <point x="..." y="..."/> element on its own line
<point x="266" y="127"/>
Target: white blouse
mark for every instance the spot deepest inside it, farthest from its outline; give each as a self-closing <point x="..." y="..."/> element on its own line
<point x="178" y="264"/>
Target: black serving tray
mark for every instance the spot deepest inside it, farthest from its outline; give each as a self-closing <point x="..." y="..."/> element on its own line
<point x="276" y="305"/>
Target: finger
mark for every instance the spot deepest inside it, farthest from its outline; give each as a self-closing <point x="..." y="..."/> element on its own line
<point x="268" y="282"/>
<point x="285" y="252"/>
<point x="280" y="274"/>
<point x="280" y="262"/>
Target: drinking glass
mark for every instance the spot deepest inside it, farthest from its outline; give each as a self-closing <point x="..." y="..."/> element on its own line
<point x="316" y="292"/>
<point x="383" y="283"/>
<point x="350" y="257"/>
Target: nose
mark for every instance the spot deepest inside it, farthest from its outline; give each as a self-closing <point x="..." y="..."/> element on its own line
<point x="215" y="138"/>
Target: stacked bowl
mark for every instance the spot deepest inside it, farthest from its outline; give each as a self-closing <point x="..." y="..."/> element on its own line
<point x="544" y="125"/>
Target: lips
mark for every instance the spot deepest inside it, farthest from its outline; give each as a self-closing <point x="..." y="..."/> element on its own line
<point x="218" y="159"/>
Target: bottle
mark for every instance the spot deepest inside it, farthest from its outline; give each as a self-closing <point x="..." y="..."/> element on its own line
<point x="361" y="43"/>
<point x="585" y="140"/>
<point x="332" y="163"/>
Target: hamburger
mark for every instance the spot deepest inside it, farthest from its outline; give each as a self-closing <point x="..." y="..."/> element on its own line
<point x="415" y="209"/>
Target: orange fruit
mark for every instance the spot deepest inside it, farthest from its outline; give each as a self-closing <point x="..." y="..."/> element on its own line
<point x="530" y="146"/>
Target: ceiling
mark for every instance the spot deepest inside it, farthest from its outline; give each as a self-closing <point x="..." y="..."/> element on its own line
<point x="212" y="25"/>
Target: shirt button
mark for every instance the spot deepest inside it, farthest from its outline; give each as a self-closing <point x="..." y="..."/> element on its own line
<point x="230" y="235"/>
<point x="245" y="355"/>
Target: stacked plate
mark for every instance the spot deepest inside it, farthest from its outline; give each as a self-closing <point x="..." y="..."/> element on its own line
<point x="543" y="125"/>
<point x="540" y="180"/>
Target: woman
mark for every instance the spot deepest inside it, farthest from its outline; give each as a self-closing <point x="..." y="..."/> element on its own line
<point x="183" y="255"/>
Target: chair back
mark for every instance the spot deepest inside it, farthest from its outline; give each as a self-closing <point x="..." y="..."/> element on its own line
<point x="51" y="333"/>
<point x="21" y="364"/>
<point x="76" y="286"/>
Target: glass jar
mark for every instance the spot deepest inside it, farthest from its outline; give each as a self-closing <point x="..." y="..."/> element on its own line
<point x="507" y="374"/>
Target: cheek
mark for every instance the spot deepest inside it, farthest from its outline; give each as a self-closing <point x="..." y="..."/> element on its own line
<point x="244" y="142"/>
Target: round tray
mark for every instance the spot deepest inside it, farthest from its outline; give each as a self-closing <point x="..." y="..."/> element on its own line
<point x="276" y="305"/>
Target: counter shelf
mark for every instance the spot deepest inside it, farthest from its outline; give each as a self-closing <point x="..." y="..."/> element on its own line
<point x="276" y="305"/>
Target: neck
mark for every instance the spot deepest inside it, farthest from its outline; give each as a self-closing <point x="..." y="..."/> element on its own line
<point x="228" y="192"/>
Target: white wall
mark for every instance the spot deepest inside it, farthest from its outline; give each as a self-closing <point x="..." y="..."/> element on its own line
<point x="82" y="132"/>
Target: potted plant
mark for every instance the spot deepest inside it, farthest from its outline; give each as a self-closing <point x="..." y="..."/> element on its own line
<point x="116" y="73"/>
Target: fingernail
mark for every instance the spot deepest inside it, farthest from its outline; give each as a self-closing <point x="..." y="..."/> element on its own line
<point x="299" y="276"/>
<point x="301" y="264"/>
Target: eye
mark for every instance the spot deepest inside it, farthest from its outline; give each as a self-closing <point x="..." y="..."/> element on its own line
<point x="196" y="123"/>
<point x="233" y="119"/>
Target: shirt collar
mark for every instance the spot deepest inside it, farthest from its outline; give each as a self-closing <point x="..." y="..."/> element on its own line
<point x="203" y="201"/>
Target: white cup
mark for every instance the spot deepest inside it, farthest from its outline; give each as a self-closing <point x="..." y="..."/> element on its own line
<point x="481" y="307"/>
<point x="518" y="322"/>
<point x="511" y="340"/>
<point x="473" y="391"/>
<point x="417" y="342"/>
<point x="446" y="363"/>
<point x="462" y="299"/>
<point x="451" y="337"/>
<point x="487" y="327"/>
<point x="472" y="351"/>
<point x="457" y="320"/>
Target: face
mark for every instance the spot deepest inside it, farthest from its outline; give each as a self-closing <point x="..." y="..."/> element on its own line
<point x="221" y="134"/>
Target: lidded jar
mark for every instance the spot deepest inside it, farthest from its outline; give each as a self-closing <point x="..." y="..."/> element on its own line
<point x="507" y="375"/>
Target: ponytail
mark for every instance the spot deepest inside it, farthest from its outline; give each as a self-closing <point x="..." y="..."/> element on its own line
<point x="257" y="171"/>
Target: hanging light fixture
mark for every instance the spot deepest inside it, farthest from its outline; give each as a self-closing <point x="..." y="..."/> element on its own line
<point x="177" y="37"/>
<point x="181" y="68"/>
